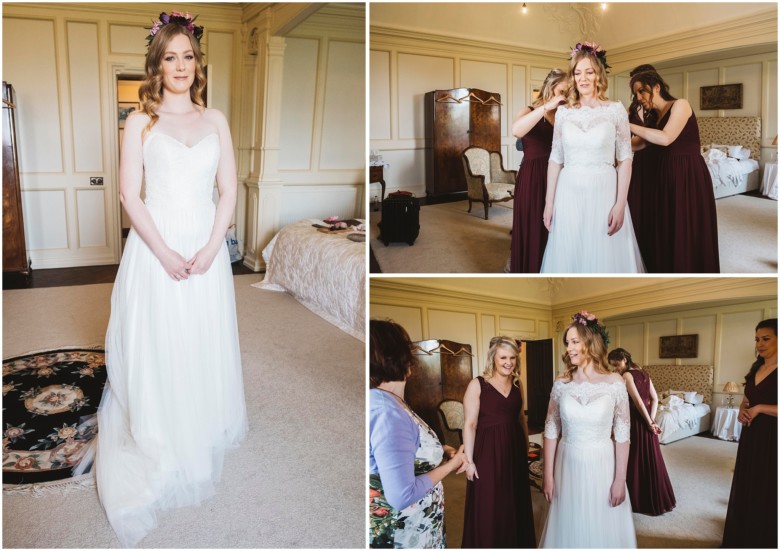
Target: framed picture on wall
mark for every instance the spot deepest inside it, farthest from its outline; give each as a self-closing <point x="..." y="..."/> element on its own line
<point x="124" y="109"/>
<point x="679" y="346"/>
<point x="726" y="96"/>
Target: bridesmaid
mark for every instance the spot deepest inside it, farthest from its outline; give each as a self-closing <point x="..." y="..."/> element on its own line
<point x="648" y="481"/>
<point x="495" y="436"/>
<point x="642" y="190"/>
<point x="535" y="126"/>
<point x="686" y="226"/>
<point x="751" y="520"/>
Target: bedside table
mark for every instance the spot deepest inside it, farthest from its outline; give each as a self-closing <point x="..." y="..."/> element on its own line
<point x="725" y="425"/>
<point x="769" y="181"/>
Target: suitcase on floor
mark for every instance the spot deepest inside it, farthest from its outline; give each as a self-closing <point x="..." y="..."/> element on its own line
<point x="400" y="219"/>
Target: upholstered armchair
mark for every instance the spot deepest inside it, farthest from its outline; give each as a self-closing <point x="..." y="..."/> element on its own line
<point x="452" y="418"/>
<point x="486" y="179"/>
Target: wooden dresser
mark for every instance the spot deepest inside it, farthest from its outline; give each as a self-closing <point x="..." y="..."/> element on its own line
<point x="454" y="120"/>
<point x="14" y="245"/>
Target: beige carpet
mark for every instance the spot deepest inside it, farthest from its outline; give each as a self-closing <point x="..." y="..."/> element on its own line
<point x="297" y="481"/>
<point x="700" y="469"/>
<point x="454" y="241"/>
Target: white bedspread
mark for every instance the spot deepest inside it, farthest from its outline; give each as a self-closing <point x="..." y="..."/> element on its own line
<point x="324" y="272"/>
<point x="726" y="171"/>
<point x="676" y="417"/>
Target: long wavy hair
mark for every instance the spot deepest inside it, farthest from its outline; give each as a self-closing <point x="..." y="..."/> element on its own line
<point x="151" y="90"/>
<point x="649" y="118"/>
<point x="506" y="343"/>
<point x="616" y="358"/>
<point x="553" y="79"/>
<point x="770" y="323"/>
<point x="595" y="349"/>
<point x="648" y="79"/>
<point x="572" y="94"/>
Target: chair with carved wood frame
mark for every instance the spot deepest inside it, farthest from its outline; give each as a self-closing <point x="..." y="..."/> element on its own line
<point x="486" y="179"/>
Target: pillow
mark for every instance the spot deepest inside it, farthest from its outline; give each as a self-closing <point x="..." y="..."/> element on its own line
<point x="723" y="148"/>
<point x="675" y="400"/>
<point x="715" y="154"/>
<point x="733" y="150"/>
<point x="698" y="399"/>
<point x="743" y="155"/>
<point x="689" y="397"/>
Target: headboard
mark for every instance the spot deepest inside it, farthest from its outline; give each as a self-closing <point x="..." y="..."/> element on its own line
<point x="682" y="377"/>
<point x="744" y="131"/>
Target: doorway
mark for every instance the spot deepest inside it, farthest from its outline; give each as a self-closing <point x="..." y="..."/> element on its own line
<point x="127" y="101"/>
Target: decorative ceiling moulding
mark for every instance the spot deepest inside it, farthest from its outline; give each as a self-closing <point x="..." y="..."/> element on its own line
<point x="681" y="293"/>
<point x="391" y="38"/>
<point x="393" y="291"/>
<point x="752" y="30"/>
<point x="581" y="20"/>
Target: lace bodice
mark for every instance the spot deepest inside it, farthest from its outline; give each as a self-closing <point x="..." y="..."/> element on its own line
<point x="588" y="412"/>
<point x="177" y="175"/>
<point x="591" y="135"/>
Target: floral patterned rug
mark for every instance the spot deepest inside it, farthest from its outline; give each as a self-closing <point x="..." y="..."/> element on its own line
<point x="50" y="401"/>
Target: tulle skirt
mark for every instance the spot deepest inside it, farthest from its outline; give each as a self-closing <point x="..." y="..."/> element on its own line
<point x="578" y="240"/>
<point x="175" y="398"/>
<point x="580" y="514"/>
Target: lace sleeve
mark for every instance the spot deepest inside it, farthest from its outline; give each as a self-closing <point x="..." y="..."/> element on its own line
<point x="621" y="424"/>
<point x="556" y="153"/>
<point x="552" y="425"/>
<point x="623" y="141"/>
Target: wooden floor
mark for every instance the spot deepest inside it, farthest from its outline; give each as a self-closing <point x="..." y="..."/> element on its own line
<point x="84" y="275"/>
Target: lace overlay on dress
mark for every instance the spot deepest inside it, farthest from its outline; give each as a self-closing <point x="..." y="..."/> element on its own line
<point x="601" y="134"/>
<point x="588" y="411"/>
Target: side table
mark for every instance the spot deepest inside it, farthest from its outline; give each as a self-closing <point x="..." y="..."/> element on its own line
<point x="725" y="425"/>
<point x="376" y="174"/>
<point x="769" y="181"/>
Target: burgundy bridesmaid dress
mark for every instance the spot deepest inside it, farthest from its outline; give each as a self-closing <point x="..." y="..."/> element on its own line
<point x="529" y="236"/>
<point x="499" y="513"/>
<point x="751" y="520"/>
<point x="642" y="196"/>
<point x="649" y="487"/>
<point x="686" y="225"/>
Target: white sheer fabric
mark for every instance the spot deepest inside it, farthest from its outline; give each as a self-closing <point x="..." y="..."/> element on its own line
<point x="175" y="397"/>
<point x="587" y="142"/>
<point x="580" y="515"/>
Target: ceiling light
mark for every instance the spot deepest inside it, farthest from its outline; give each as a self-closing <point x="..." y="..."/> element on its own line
<point x="525" y="8"/>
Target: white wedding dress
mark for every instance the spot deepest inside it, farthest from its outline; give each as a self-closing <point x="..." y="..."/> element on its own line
<point x="586" y="141"/>
<point x="175" y="398"/>
<point x="580" y="514"/>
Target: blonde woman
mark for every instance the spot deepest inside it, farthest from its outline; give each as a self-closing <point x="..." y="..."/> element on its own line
<point x="495" y="436"/>
<point x="175" y="398"/>
<point x="584" y="468"/>
<point x="586" y="208"/>
<point x="534" y="125"/>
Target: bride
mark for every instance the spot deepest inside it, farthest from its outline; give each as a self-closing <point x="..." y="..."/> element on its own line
<point x="585" y="211"/>
<point x="175" y="396"/>
<point x="585" y="471"/>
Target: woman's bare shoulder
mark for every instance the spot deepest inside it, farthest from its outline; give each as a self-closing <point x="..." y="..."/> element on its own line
<point x="214" y="115"/>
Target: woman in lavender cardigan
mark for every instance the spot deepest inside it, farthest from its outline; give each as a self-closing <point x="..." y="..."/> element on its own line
<point x="406" y="460"/>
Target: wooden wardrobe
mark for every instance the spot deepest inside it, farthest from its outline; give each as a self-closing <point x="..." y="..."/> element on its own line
<point x="455" y="120"/>
<point x="14" y="245"/>
<point x="443" y="373"/>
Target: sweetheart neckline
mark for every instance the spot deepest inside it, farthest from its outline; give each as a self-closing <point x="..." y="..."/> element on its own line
<point x="193" y="146"/>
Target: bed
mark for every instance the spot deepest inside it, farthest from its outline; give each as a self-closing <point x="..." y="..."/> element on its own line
<point x="324" y="271"/>
<point x="731" y="147"/>
<point x="683" y="417"/>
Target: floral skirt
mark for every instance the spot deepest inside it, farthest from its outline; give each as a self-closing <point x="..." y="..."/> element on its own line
<point x="418" y="526"/>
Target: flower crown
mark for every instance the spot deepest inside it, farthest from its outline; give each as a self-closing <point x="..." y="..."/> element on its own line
<point x="178" y="18"/>
<point x="593" y="49"/>
<point x="589" y="320"/>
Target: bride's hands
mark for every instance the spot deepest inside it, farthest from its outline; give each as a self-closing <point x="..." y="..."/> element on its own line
<point x="202" y="260"/>
<point x="617" y="493"/>
<point x="547" y="217"/>
<point x="174" y="265"/>
<point x="615" y="219"/>
<point x="548" y="488"/>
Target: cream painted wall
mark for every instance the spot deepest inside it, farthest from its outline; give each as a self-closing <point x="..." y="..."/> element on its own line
<point x="63" y="60"/>
<point x="416" y="48"/>
<point x="637" y="311"/>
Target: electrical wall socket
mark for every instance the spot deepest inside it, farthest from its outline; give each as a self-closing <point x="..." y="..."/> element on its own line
<point x="96" y="180"/>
